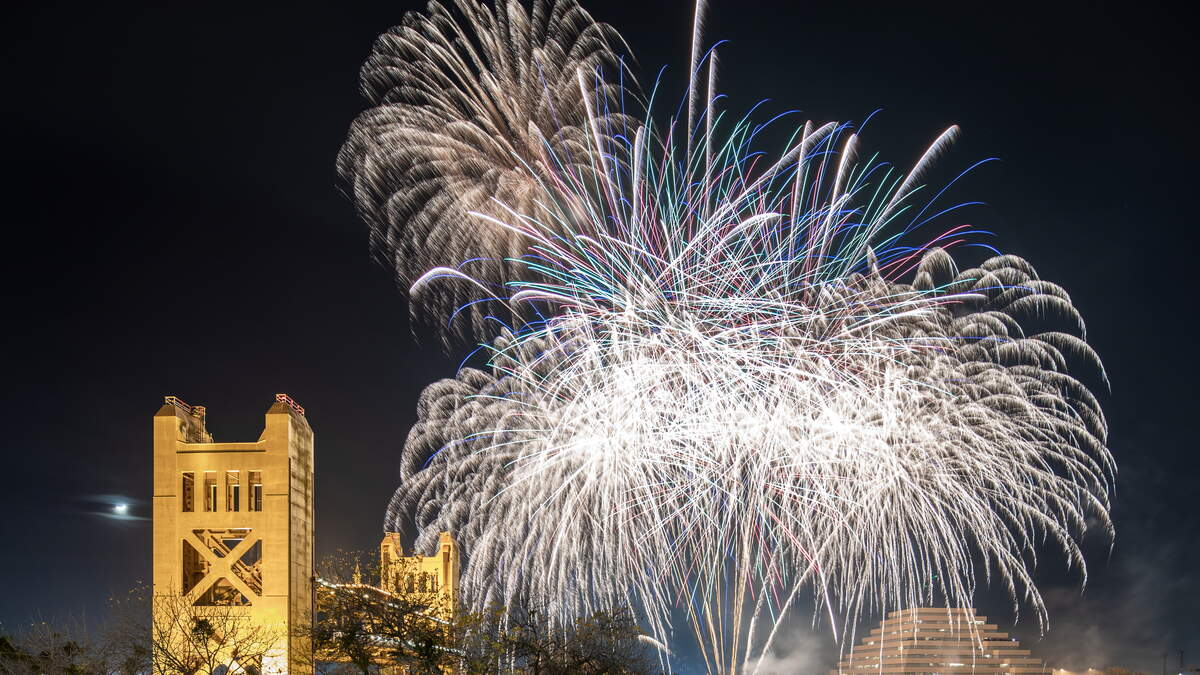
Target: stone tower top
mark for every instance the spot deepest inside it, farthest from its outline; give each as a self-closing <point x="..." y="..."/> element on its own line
<point x="192" y="427"/>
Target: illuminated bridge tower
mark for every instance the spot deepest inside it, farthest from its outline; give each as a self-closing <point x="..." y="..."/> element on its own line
<point x="233" y="524"/>
<point x="438" y="573"/>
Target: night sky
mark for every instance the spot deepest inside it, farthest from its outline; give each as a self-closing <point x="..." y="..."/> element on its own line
<point x="175" y="226"/>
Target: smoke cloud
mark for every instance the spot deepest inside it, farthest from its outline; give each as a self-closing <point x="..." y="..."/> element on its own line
<point x="1124" y="625"/>
<point x="798" y="649"/>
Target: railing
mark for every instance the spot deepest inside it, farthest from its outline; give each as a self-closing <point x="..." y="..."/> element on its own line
<point x="193" y="410"/>
<point x="351" y="588"/>
<point x="284" y="398"/>
<point x="381" y="640"/>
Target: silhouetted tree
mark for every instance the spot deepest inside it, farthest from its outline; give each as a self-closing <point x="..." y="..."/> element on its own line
<point x="52" y="647"/>
<point x="364" y="626"/>
<point x="126" y="634"/>
<point x="523" y="640"/>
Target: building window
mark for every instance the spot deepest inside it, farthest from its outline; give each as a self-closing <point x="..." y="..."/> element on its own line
<point x="256" y="491"/>
<point x="187" y="494"/>
<point x="233" y="491"/>
<point x="210" y="491"/>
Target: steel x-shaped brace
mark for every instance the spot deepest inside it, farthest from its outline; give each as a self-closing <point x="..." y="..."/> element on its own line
<point x="219" y="567"/>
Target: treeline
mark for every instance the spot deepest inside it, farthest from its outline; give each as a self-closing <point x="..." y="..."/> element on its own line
<point x="119" y="645"/>
<point x="358" y="628"/>
<point x="408" y="627"/>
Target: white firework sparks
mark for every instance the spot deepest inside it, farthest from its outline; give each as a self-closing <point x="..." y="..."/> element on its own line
<point x="470" y="105"/>
<point x="734" y="397"/>
<point x="718" y="422"/>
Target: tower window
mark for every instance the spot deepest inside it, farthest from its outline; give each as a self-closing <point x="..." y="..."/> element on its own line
<point x="233" y="491"/>
<point x="210" y="491"/>
<point x="256" y="491"/>
<point x="187" y="492"/>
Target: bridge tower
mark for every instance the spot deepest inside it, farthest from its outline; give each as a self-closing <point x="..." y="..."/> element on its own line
<point x="438" y="573"/>
<point x="233" y="525"/>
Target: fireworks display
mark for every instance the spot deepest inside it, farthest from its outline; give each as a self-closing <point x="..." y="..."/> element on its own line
<point x="470" y="109"/>
<point x="736" y="380"/>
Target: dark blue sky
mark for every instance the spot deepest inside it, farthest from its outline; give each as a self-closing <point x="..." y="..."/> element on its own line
<point x="175" y="227"/>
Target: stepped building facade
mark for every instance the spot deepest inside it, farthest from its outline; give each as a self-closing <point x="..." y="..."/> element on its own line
<point x="939" y="641"/>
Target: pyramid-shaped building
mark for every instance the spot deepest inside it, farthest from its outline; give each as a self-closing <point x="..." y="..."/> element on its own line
<point x="938" y="641"/>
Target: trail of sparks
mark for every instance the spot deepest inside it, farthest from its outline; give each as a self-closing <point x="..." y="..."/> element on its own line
<point x="731" y="380"/>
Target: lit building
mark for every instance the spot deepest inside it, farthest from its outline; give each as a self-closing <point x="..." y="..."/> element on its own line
<point x="233" y="524"/>
<point x="438" y="573"/>
<point x="939" y="641"/>
<point x="427" y="582"/>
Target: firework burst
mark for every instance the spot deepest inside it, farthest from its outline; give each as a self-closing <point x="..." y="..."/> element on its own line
<point x="743" y="383"/>
<point x="470" y="106"/>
